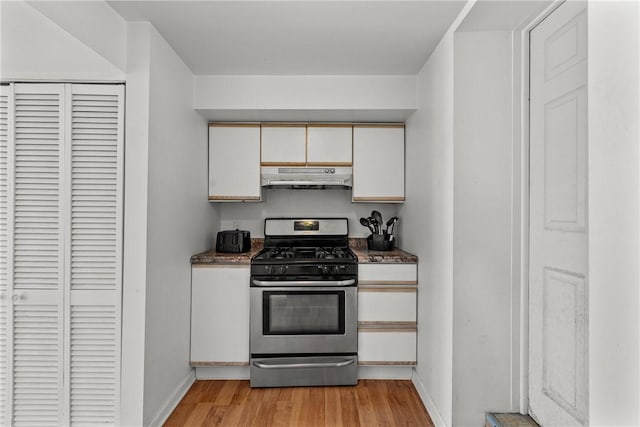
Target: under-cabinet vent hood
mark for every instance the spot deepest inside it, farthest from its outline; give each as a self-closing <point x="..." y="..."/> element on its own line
<point x="306" y="177"/>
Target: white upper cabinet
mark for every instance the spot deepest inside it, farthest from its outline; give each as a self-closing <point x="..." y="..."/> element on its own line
<point x="234" y="162"/>
<point x="378" y="163"/>
<point x="329" y="145"/>
<point x="284" y="144"/>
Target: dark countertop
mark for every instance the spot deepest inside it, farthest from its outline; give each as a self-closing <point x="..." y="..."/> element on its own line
<point x="357" y="245"/>
<point x="365" y="256"/>
<point x="213" y="257"/>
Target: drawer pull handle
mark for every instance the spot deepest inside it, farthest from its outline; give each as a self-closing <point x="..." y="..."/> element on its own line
<point x="340" y="364"/>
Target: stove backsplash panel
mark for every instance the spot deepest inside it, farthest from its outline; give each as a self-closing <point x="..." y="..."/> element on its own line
<point x="301" y="203"/>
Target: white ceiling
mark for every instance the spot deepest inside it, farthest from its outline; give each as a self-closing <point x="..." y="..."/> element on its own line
<point x="298" y="37"/>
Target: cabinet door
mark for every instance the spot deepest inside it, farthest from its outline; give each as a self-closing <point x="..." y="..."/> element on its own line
<point x="219" y="315"/>
<point x="234" y="162"/>
<point x="284" y="145"/>
<point x="378" y="163"/>
<point x="329" y="145"/>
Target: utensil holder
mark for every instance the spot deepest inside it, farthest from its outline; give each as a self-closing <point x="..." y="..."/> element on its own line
<point x="379" y="242"/>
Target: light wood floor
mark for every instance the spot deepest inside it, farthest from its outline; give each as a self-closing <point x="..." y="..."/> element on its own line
<point x="234" y="403"/>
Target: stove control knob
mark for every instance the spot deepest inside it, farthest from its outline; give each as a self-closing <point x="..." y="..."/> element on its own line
<point x="339" y="268"/>
<point x="282" y="269"/>
<point x="324" y="269"/>
<point x="268" y="269"/>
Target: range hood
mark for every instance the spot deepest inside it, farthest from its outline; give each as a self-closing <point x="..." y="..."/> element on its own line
<point x="307" y="177"/>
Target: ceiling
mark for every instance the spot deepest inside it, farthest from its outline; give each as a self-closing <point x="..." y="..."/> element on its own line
<point x="298" y="37"/>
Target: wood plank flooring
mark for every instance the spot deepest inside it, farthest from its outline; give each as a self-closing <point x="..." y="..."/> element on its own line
<point x="234" y="403"/>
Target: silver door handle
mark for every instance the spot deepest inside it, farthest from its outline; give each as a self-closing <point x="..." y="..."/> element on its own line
<point x="341" y="364"/>
<point x="273" y="283"/>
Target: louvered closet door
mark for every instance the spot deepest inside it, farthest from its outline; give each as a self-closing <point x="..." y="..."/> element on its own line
<point x="61" y="194"/>
<point x="4" y="306"/>
<point x="36" y="265"/>
<point x="95" y="252"/>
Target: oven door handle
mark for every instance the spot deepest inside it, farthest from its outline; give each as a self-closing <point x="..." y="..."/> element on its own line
<point x="332" y="283"/>
<point x="267" y="365"/>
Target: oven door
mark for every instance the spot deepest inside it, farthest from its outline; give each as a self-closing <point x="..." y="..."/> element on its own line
<point x="304" y="318"/>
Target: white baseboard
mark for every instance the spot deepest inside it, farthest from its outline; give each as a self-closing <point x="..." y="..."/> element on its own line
<point x="431" y="407"/>
<point x="222" y="372"/>
<point x="173" y="401"/>
<point x="385" y="372"/>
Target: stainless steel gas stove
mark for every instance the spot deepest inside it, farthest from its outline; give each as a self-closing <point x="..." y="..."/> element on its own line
<point x="304" y="305"/>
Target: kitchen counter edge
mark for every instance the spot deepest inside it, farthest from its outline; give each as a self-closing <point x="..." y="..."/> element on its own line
<point x="365" y="256"/>
<point x="213" y="257"/>
<point x="357" y="245"/>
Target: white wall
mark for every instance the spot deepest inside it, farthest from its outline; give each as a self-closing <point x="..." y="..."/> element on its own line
<point x="95" y="23"/>
<point x="53" y="53"/>
<point x="427" y="220"/>
<point x="134" y="274"/>
<point x="180" y="223"/>
<point x="305" y="98"/>
<point x="614" y="213"/>
<point x="482" y="225"/>
<point x="304" y="92"/>
<point x="286" y="202"/>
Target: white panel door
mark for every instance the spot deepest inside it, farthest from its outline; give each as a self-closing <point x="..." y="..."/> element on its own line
<point x="558" y="317"/>
<point x="329" y="145"/>
<point x="378" y="163"/>
<point x="234" y="162"/>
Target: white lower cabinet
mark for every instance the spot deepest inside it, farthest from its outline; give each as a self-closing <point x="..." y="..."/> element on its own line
<point x="387" y="318"/>
<point x="219" y="315"/>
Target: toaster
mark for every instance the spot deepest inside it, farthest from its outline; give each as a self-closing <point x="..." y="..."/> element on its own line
<point x="233" y="241"/>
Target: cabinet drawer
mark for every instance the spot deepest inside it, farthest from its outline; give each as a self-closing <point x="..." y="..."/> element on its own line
<point x="376" y="306"/>
<point x="387" y="274"/>
<point x="387" y="348"/>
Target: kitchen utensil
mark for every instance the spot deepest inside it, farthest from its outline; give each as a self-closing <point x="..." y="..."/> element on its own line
<point x="375" y="224"/>
<point x="391" y="225"/>
<point x="367" y="223"/>
<point x="378" y="217"/>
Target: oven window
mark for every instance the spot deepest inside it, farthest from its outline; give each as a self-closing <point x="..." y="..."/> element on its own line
<point x="303" y="312"/>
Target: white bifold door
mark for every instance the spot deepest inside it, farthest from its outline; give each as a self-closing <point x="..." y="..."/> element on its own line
<point x="61" y="241"/>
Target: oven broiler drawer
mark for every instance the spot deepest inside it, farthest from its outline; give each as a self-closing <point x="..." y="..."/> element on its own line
<point x="304" y="371"/>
